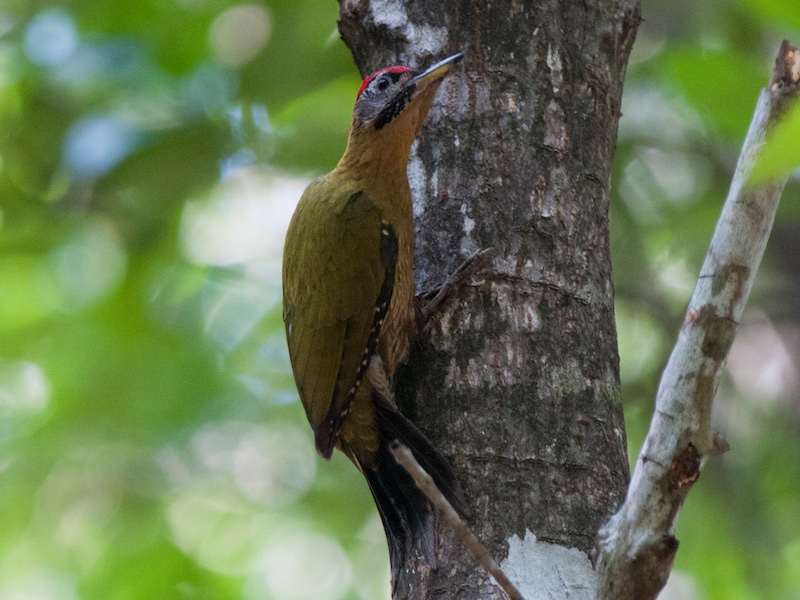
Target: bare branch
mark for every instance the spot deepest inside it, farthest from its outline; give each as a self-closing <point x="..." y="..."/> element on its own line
<point x="637" y="546"/>
<point x="425" y="483"/>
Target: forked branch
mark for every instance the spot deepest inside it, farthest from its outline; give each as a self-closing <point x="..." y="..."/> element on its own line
<point x="637" y="546"/>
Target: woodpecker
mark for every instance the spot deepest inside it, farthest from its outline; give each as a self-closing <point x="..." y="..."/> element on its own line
<point x="349" y="306"/>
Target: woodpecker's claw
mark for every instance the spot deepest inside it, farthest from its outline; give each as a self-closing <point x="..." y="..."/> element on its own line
<point x="463" y="271"/>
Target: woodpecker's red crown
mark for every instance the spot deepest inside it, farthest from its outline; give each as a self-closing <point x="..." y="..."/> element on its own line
<point x="390" y="71"/>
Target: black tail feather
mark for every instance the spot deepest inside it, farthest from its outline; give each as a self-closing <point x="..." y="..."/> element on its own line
<point x="407" y="516"/>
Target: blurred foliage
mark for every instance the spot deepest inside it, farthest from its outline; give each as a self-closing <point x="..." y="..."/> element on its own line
<point x="151" y="444"/>
<point x="782" y="152"/>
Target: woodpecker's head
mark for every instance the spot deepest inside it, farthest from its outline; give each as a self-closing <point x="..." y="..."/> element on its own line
<point x="390" y="93"/>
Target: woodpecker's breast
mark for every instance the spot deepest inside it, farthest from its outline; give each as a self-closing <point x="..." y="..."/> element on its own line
<point x="400" y="325"/>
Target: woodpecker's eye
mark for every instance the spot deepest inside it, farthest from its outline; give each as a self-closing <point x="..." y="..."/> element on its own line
<point x="383" y="82"/>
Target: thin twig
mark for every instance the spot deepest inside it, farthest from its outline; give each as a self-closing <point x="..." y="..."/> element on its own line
<point x="425" y="483"/>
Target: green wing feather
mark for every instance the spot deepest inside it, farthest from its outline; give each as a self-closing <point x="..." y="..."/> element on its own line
<point x="332" y="275"/>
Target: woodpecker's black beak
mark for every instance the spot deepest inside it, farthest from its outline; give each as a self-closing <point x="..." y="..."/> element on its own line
<point x="436" y="72"/>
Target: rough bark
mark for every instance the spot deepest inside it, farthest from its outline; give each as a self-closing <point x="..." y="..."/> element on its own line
<point x="517" y="382"/>
<point x="638" y="545"/>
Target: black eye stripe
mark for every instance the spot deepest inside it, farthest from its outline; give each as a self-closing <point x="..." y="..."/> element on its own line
<point x="394" y="108"/>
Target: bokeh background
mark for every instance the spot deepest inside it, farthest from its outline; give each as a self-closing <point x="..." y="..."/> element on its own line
<point x="151" y="441"/>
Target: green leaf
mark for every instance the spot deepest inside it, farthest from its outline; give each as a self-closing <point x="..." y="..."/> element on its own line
<point x="782" y="12"/>
<point x="781" y="152"/>
<point x="722" y="86"/>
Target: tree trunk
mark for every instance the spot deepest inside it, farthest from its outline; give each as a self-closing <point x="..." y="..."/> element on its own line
<point x="518" y="380"/>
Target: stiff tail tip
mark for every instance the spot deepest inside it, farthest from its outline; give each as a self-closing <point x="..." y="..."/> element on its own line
<point x="408" y="517"/>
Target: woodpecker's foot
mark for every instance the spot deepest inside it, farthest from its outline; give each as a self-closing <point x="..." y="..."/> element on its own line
<point x="433" y="300"/>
